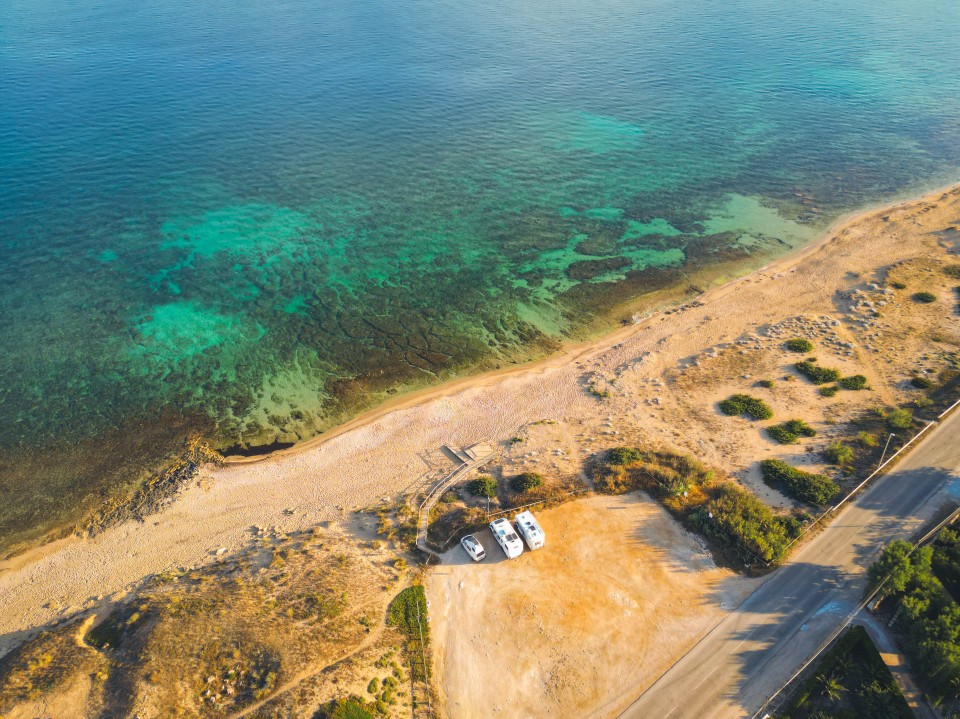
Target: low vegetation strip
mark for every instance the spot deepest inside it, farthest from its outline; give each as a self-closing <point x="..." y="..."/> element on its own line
<point x="850" y="682"/>
<point x="817" y="489"/>
<point x="408" y="613"/>
<point x="741" y="528"/>
<point x="738" y="404"/>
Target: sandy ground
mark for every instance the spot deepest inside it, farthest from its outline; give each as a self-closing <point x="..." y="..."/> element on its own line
<point x="652" y="368"/>
<point x="580" y="627"/>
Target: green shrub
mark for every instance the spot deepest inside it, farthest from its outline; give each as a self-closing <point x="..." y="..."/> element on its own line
<point x="790" y="431"/>
<point x="734" y="516"/>
<point x="798" y="344"/>
<point x="351" y="708"/>
<point x="899" y="419"/>
<point x="449" y="497"/>
<point x="405" y="610"/>
<point x="624" y="455"/>
<point x="815" y="489"/>
<point x="767" y="383"/>
<point x="374" y="686"/>
<point x="815" y="373"/>
<point x="921" y="382"/>
<point x="838" y="453"/>
<point x="855" y="382"/>
<point x="613" y="479"/>
<point x="829" y="391"/>
<point x="526" y="481"/>
<point x="483" y="486"/>
<point x="867" y="439"/>
<point x="898" y="285"/>
<point x="745" y="404"/>
<point x="924" y="298"/>
<point x="952" y="271"/>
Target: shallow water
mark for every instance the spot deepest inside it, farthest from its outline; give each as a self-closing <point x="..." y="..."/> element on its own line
<point x="252" y="219"/>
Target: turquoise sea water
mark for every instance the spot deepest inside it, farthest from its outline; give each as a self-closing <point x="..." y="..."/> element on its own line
<point x="252" y="218"/>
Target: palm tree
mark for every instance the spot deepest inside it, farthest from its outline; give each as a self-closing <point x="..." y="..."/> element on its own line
<point x="831" y="688"/>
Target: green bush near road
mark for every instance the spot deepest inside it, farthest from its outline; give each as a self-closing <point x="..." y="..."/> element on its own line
<point x="899" y="419"/>
<point x="929" y="617"/>
<point x="741" y="526"/>
<point x="815" y="489"/>
<point x="737" y="518"/>
<point x="838" y="453"/>
<point x="851" y="681"/>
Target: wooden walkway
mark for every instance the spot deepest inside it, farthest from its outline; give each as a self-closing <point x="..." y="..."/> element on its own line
<point x="472" y="457"/>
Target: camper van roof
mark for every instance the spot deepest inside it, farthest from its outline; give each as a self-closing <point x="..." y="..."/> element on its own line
<point x="529" y="523"/>
<point x="504" y="529"/>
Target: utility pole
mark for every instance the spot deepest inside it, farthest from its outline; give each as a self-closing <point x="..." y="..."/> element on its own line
<point x="884" y="454"/>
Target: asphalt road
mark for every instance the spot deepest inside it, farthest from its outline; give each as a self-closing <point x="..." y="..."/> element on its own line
<point x="748" y="656"/>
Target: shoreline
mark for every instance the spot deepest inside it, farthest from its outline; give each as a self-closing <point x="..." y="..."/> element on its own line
<point x="574" y="351"/>
<point x="665" y="375"/>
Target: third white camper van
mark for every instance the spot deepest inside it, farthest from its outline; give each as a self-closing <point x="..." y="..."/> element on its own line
<point x="507" y="539"/>
<point x="530" y="530"/>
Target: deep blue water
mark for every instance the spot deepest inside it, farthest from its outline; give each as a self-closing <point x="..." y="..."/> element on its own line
<point x="250" y="219"/>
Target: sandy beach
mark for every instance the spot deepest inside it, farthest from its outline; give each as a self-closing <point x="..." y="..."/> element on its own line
<point x="652" y="369"/>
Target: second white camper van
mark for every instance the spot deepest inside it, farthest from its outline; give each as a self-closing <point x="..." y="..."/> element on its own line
<point x="530" y="530"/>
<point x="507" y="539"/>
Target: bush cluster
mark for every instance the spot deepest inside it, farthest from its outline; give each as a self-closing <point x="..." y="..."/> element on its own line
<point x="815" y="373"/>
<point x="898" y="419"/>
<point x="624" y="455"/>
<point x="790" y="431"/>
<point x="952" y="271"/>
<point x="798" y="344"/>
<point x="483" y="486"/>
<point x="921" y="382"/>
<point x="850" y="682"/>
<point x="350" y="708"/>
<point x="898" y="285"/>
<point x="829" y="390"/>
<point x="526" y="481"/>
<point x="924" y="298"/>
<point x="745" y="404"/>
<point x="807" y="487"/>
<point x="855" y="382"/>
<point x="838" y="453"/>
<point x="735" y="517"/>
<point x="931" y="617"/>
<point x="721" y="510"/>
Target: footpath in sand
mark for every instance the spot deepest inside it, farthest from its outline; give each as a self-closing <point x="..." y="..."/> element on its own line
<point x="664" y="375"/>
<point x="580" y="627"/>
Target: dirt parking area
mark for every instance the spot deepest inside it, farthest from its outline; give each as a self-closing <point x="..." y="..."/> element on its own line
<point x="580" y="627"/>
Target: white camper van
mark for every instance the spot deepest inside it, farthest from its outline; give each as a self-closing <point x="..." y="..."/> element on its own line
<point x="507" y="539"/>
<point x="530" y="530"/>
